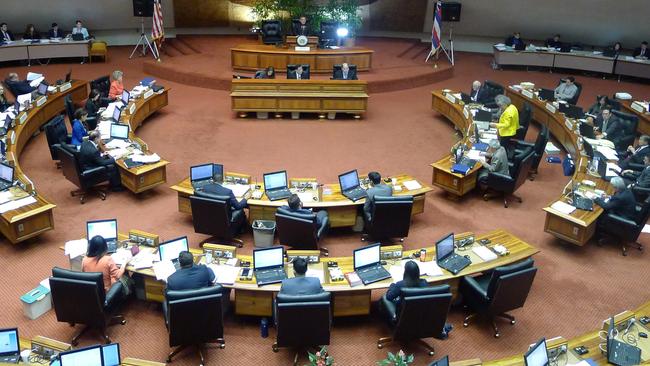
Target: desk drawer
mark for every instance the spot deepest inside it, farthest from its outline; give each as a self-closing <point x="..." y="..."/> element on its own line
<point x="256" y="303"/>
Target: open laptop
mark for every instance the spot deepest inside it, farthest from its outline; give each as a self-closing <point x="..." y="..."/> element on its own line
<point x="81" y="356"/>
<point x="111" y="354"/>
<point x="169" y="250"/>
<point x="268" y="265"/>
<point x="6" y="176"/>
<point x="107" y="229"/>
<point x="351" y="187"/>
<point x="9" y="346"/>
<point x="618" y="352"/>
<point x="482" y="116"/>
<point x="447" y="258"/>
<point x="547" y="94"/>
<point x="537" y="355"/>
<point x="119" y="131"/>
<point x="125" y="97"/>
<point x="42" y="88"/>
<point x="117" y="112"/>
<point x="580" y="202"/>
<point x="275" y="185"/>
<point x="367" y="264"/>
<point x="206" y="174"/>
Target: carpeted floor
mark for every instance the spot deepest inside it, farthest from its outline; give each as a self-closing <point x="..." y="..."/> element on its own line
<point x="576" y="287"/>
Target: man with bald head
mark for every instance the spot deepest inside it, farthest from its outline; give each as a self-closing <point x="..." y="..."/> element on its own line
<point x="478" y="93"/>
<point x="345" y="73"/>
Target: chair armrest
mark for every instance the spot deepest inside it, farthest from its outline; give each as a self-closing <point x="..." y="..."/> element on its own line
<point x="499" y="181"/>
<point x="474" y="286"/>
<point x="636" y="167"/>
<point x="615" y="219"/>
<point x="93" y="171"/>
<point x="390" y="308"/>
<point x="323" y="227"/>
<point x="236" y="215"/>
<point x="114" y="294"/>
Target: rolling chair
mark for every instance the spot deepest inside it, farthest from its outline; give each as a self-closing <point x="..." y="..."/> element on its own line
<point x="337" y="69"/>
<point x="507" y="185"/>
<point x="524" y="121"/>
<point x="538" y="149"/>
<point x="193" y="318"/>
<point x="493" y="89"/>
<point x="390" y="218"/>
<point x="103" y="85"/>
<point x="631" y="123"/>
<point x="98" y="48"/>
<point x="300" y="231"/>
<point x="80" y="298"/>
<point x="69" y="109"/>
<point x="422" y="313"/>
<point x="271" y="32"/>
<point x="87" y="180"/>
<point x="626" y="230"/>
<point x="574" y="100"/>
<point x="56" y="135"/>
<point x="493" y="294"/>
<point x="302" y="321"/>
<point x="212" y="215"/>
<point x="291" y="68"/>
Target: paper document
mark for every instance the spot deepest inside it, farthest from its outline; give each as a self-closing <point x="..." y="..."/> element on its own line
<point x="163" y="270"/>
<point x="426" y="268"/>
<point x="75" y="248"/>
<point x="396" y="272"/>
<point x="551" y="149"/>
<point x="484" y="253"/>
<point x="599" y="142"/>
<point x="305" y="196"/>
<point x="482" y="125"/>
<point x="117" y="143"/>
<point x="122" y="256"/>
<point x="33" y="76"/>
<point x="610" y="154"/>
<point x="142" y="260"/>
<point x="146" y="159"/>
<point x="118" y="153"/>
<point x="318" y="273"/>
<point x="24" y="98"/>
<point x="412" y="185"/>
<point x="34" y="83"/>
<point x="225" y="275"/>
<point x="239" y="190"/>
<point x="12" y="205"/>
<point x="475" y="155"/>
<point x="563" y="207"/>
<point x="5" y="196"/>
<point x="646" y="229"/>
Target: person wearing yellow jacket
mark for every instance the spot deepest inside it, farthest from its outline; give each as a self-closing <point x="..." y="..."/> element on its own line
<point x="508" y="122"/>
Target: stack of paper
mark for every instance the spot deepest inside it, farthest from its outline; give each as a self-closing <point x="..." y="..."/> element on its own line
<point x="396" y="272"/>
<point x="563" y="207"/>
<point x="318" y="273"/>
<point x="118" y="153"/>
<point x="224" y="274"/>
<point x="12" y="205"/>
<point x="613" y="170"/>
<point x="122" y="256"/>
<point x="484" y="253"/>
<point x="412" y="185"/>
<point x="239" y="190"/>
<point x="31" y="76"/>
<point x="163" y="270"/>
<point x="5" y="196"/>
<point x="75" y="248"/>
<point x="146" y="159"/>
<point x="609" y="153"/>
<point x="426" y="268"/>
<point x="117" y="143"/>
<point x="24" y="98"/>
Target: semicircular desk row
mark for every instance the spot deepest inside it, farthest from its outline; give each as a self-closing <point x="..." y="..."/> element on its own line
<point x="577" y="227"/>
<point x="35" y="218"/>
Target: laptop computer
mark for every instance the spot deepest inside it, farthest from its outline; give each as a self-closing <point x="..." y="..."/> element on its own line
<point x="447" y="258"/>
<point x="537" y="355"/>
<point x="9" y="346"/>
<point x="579" y="201"/>
<point x="42" y="88"/>
<point x="351" y="187"/>
<point x="81" y="356"/>
<point x="125" y="97"/>
<point x="119" y="131"/>
<point x="618" y="352"/>
<point x="117" y="113"/>
<point x="77" y="37"/>
<point x="547" y="94"/>
<point x="587" y="131"/>
<point x="111" y="354"/>
<point x="6" y="176"/>
<point x="441" y="362"/>
<point x="482" y="116"/>
<point x="367" y="264"/>
<point x="169" y="250"/>
<point x="268" y="265"/>
<point x="275" y="185"/>
<point x="206" y="174"/>
<point x="107" y="229"/>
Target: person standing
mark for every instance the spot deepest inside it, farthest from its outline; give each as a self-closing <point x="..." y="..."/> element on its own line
<point x="508" y="121"/>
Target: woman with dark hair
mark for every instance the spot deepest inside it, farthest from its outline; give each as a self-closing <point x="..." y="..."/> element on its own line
<point x="268" y="73"/>
<point x="79" y="127"/>
<point x="96" y="260"/>
<point x="30" y="32"/>
<point x="597" y="107"/>
<point x="411" y="279"/>
<point x="92" y="107"/>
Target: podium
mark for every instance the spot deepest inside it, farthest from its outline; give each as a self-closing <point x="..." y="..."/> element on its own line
<point x="312" y="41"/>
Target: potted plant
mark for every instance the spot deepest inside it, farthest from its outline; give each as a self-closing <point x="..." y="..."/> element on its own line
<point x="397" y="359"/>
<point x="320" y="358"/>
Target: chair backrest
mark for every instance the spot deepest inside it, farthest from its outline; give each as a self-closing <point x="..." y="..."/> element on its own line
<point x="509" y="286"/>
<point x="631" y="121"/>
<point x="423" y="312"/>
<point x="271" y="31"/>
<point x="493" y="89"/>
<point x="56" y="134"/>
<point x="305" y="68"/>
<point x="211" y="215"/>
<point x="69" y="165"/>
<point x="521" y="172"/>
<point x="78" y="297"/>
<point x="102" y="84"/>
<point x="524" y="121"/>
<point x="303" y="320"/>
<point x="195" y="316"/>
<point x="299" y="231"/>
<point x="391" y="217"/>
<point x="575" y="98"/>
<point x="69" y="108"/>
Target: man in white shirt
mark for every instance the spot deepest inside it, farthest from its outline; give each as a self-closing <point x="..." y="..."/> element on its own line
<point x="566" y="90"/>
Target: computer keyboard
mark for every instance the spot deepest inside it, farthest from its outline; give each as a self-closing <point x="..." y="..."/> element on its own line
<point x="278" y="194"/>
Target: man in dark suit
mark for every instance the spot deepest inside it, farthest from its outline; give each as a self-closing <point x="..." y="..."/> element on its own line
<point x="299" y="73"/>
<point x="55" y="32"/>
<point x="554" y="42"/>
<point x="5" y="34"/>
<point x="515" y="41"/>
<point x="622" y="202"/>
<point x="91" y="157"/>
<point x="295" y="205"/>
<point x="300" y="284"/>
<point x="219" y="190"/>
<point x="635" y="155"/>
<point x="345" y="73"/>
<point x="643" y="51"/>
<point x="190" y="276"/>
<point x="378" y="189"/>
<point x="638" y="178"/>
<point x="478" y="93"/>
<point x="301" y="28"/>
<point x="17" y="86"/>
<point x="606" y="123"/>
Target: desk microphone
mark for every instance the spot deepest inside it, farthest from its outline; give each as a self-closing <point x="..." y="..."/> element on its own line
<point x="629" y="325"/>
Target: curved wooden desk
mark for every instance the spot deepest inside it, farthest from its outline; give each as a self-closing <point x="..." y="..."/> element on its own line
<point x="252" y="57"/>
<point x="644" y="117"/>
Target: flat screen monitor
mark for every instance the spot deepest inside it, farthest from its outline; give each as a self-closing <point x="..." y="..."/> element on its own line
<point x="125" y="97"/>
<point x="349" y="180"/>
<point x="6" y="173"/>
<point x="111" y="354"/>
<point x="82" y="357"/>
<point x="445" y="247"/>
<point x="275" y="180"/>
<point x="367" y="256"/>
<point x="441" y="362"/>
<point x="268" y="257"/>
<point x="537" y="355"/>
<point x="201" y="172"/>
<point x="68" y="76"/>
<point x="116" y="114"/>
<point x="107" y="229"/>
<point x="547" y="94"/>
<point x="482" y="116"/>
<point x="9" y="342"/>
<point x="170" y="250"/>
<point x="217" y="173"/>
<point x="42" y="88"/>
<point x="119" y="131"/>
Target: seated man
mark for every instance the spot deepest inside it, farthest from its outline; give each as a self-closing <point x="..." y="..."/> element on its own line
<point x="515" y="41"/>
<point x="17" y="86"/>
<point x="300" y="284"/>
<point x="567" y="89"/>
<point x="642" y="52"/>
<point x="55" y="32"/>
<point x="294" y="205"/>
<point x="91" y="157"/>
<point x="190" y="276"/>
<point x="5" y="34"/>
<point x="622" y="202"/>
<point x="219" y="190"/>
<point x="498" y="163"/>
<point x="554" y="42"/>
<point x="635" y="155"/>
<point x="301" y="29"/>
<point x="345" y="73"/>
<point x="606" y="122"/>
<point x="478" y="93"/>
<point x="636" y="178"/>
<point x="378" y="188"/>
<point x="299" y="74"/>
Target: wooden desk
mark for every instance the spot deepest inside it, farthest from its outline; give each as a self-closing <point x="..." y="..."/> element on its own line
<point x="309" y="96"/>
<point x="576" y="60"/>
<point x="252" y="57"/>
<point x="342" y="212"/>
<point x="635" y="68"/>
<point x="20" y="50"/>
<point x="31" y="220"/>
<point x="644" y="118"/>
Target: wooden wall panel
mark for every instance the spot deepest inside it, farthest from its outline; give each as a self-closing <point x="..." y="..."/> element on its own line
<point x="201" y="13"/>
<point x="397" y="15"/>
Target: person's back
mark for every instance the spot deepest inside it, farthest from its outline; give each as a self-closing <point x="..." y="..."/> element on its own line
<point x="193" y="277"/>
<point x="411" y="279"/>
<point x="300" y="284"/>
<point x="378" y="189"/>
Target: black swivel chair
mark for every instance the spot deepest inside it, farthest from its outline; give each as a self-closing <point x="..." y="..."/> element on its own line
<point x="630" y="123"/>
<point x="56" y="135"/>
<point x="302" y="321"/>
<point x="69" y="109"/>
<point x="271" y="32"/>
<point x="390" y="218"/>
<point x="626" y="230"/>
<point x="574" y="100"/>
<point x="80" y="298"/>
<point x="87" y="180"/>
<point x="291" y="68"/>
<point x="493" y="294"/>
<point x="212" y="215"/>
<point x="327" y="36"/>
<point x="300" y="231"/>
<point x="493" y="89"/>
<point x="538" y="149"/>
<point x="337" y="69"/>
<point x="193" y="318"/>
<point x="507" y="185"/>
<point x="422" y="313"/>
<point x="103" y="85"/>
<point x="524" y="122"/>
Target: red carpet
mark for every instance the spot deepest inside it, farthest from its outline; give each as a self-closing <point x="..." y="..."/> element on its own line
<point x="574" y="290"/>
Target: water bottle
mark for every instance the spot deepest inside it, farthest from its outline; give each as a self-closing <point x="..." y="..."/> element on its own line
<point x="264" y="328"/>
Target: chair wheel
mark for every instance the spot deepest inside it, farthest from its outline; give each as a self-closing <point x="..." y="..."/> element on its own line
<point x="380" y="346"/>
<point x="275" y="348"/>
<point x="485" y="197"/>
<point x="222" y="345"/>
<point x="512" y="322"/>
<point x="496" y="335"/>
<point x="465" y="325"/>
<point x="431" y="353"/>
<point x="123" y="322"/>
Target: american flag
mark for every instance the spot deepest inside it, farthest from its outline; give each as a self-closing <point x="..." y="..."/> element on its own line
<point x="435" y="31"/>
<point x="157" y="31"/>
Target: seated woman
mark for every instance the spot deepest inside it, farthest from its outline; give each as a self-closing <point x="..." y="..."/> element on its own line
<point x="411" y="279"/>
<point x="97" y="260"/>
<point x="597" y="107"/>
<point x="268" y="73"/>
<point x="30" y="32"/>
<point x="498" y="163"/>
<point x="92" y="107"/>
<point x="116" y="85"/>
<point x="79" y="127"/>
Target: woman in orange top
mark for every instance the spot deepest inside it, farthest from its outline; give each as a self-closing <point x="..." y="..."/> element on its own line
<point x="97" y="260"/>
<point x="116" y="85"/>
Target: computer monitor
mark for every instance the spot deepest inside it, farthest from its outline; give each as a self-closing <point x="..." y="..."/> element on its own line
<point x="119" y="131"/>
<point x="589" y="150"/>
<point x="275" y="180"/>
<point x="366" y="256"/>
<point x="547" y="94"/>
<point x="9" y="344"/>
<point x="116" y="114"/>
<point x="349" y="180"/>
<point x="107" y="229"/>
<point x="268" y="257"/>
<point x="68" y="76"/>
<point x="82" y="356"/>
<point x="201" y="172"/>
<point x="42" y="88"/>
<point x="482" y="116"/>
<point x="441" y="362"/>
<point x="445" y="247"/>
<point x="537" y="355"/>
<point x="170" y="249"/>
<point x="6" y="172"/>
<point x="217" y="173"/>
<point x="111" y="354"/>
<point x="125" y="97"/>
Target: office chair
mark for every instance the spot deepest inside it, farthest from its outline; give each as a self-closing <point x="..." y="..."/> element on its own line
<point x="69" y="109"/>
<point x="390" y="218"/>
<point x="624" y="229"/>
<point x="98" y="48"/>
<point x="631" y="123"/>
<point x="574" y="100"/>
<point x="212" y="215"/>
<point x="300" y="231"/>
<point x="271" y="32"/>
<point x="193" y="318"/>
<point x="103" y="85"/>
<point x="56" y="135"/>
<point x="422" y="313"/>
<point x="79" y="298"/>
<point x="87" y="180"/>
<point x="302" y="321"/>
<point x="538" y="149"/>
<point x="614" y="103"/>
<point x="493" y="294"/>
<point x="524" y="121"/>
<point x="337" y="69"/>
<point x="291" y="68"/>
<point x="493" y="89"/>
<point x="295" y="23"/>
<point x="507" y="185"/>
<point x="327" y="34"/>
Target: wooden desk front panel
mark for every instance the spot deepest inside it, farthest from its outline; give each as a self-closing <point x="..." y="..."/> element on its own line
<point x="13" y="53"/>
<point x="584" y="62"/>
<point x="59" y="50"/>
<point x="639" y="69"/>
<point x="137" y="182"/>
<point x="30" y="226"/>
<point x="567" y="230"/>
<point x="254" y="303"/>
<point x="523" y="58"/>
<point x="644" y="118"/>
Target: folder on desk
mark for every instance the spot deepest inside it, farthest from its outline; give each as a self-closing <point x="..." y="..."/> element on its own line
<point x="481" y="146"/>
<point x="460" y="169"/>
